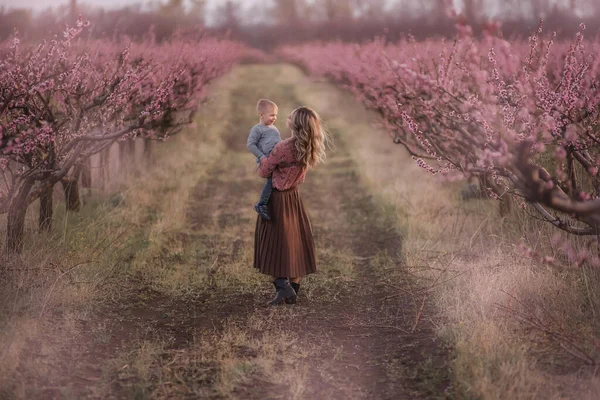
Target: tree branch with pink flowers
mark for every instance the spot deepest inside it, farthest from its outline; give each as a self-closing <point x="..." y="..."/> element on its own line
<point x="65" y="99"/>
<point x="521" y="117"/>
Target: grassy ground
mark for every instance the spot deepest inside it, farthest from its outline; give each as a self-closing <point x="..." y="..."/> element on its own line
<point x="518" y="329"/>
<point x="148" y="292"/>
<point x="165" y="302"/>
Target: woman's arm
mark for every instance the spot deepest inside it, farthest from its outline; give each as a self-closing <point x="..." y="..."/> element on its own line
<point x="277" y="157"/>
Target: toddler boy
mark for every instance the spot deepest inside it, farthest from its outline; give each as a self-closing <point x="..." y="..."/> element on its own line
<point x="261" y="140"/>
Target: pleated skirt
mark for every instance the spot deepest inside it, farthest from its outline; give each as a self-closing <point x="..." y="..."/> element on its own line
<point x="284" y="246"/>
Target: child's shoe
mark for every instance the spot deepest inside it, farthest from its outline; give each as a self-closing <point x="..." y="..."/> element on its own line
<point x="262" y="210"/>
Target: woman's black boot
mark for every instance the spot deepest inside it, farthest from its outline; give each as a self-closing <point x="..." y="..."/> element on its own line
<point x="284" y="292"/>
<point x="296" y="287"/>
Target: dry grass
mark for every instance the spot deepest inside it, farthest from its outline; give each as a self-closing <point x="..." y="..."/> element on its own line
<point x="223" y="363"/>
<point x="48" y="293"/>
<point x="519" y="330"/>
<point x="142" y="232"/>
<point x="181" y="259"/>
<point x="134" y="369"/>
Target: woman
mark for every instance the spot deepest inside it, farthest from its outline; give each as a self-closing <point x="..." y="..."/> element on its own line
<point x="284" y="246"/>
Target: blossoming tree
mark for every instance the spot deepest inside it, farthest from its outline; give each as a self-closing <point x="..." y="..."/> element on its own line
<point x="523" y="118"/>
<point x="65" y="99"/>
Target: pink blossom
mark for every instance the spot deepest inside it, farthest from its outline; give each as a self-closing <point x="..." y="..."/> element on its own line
<point x="470" y="106"/>
<point x="65" y="96"/>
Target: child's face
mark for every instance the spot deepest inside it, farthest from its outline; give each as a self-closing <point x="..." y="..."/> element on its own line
<point x="269" y="117"/>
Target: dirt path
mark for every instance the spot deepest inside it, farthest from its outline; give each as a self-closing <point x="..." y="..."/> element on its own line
<point x="371" y="345"/>
<point x="362" y="334"/>
<point x="356" y="331"/>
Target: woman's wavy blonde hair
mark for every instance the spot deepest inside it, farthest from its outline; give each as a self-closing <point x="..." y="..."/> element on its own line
<point x="311" y="138"/>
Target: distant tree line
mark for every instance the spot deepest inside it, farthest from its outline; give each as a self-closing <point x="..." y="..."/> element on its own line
<point x="292" y="21"/>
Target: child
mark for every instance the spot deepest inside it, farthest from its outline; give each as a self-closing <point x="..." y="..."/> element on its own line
<point x="263" y="137"/>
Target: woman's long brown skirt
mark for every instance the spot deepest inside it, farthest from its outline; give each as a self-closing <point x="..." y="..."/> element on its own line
<point x="284" y="246"/>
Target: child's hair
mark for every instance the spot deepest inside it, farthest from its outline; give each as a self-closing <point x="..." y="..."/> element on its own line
<point x="264" y="105"/>
<point x="311" y="138"/>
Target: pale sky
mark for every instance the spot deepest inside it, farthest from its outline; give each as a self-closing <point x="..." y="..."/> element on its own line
<point x="43" y="4"/>
<point x="40" y="5"/>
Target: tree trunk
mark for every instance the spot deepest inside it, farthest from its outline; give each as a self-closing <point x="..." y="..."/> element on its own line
<point x="16" y="219"/>
<point x="505" y="206"/>
<point x="45" y="221"/>
<point x="73" y="11"/>
<point x="104" y="167"/>
<point x="71" y="188"/>
<point x="86" y="174"/>
<point x="122" y="151"/>
<point x="123" y="158"/>
<point x="148" y="151"/>
<point x="85" y="177"/>
<point x="131" y="158"/>
<point x="126" y="157"/>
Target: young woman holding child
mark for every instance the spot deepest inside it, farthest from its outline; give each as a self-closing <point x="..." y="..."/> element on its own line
<point x="283" y="245"/>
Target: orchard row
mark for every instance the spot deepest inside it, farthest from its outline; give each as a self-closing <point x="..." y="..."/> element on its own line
<point x="67" y="98"/>
<point x="523" y="117"/>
